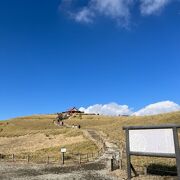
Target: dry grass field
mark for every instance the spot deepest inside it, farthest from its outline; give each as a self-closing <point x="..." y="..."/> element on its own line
<point x="37" y="134"/>
<point x="112" y="126"/>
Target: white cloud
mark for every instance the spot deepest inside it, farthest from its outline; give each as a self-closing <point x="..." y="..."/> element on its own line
<point x="158" y="108"/>
<point x="118" y="10"/>
<point x="114" y="109"/>
<point x="149" y="7"/>
<point x="85" y="16"/>
<point x="114" y="9"/>
<point x="111" y="109"/>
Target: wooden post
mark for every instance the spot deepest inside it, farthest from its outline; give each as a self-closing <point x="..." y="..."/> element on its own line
<point x="112" y="168"/>
<point x="121" y="153"/>
<point x="134" y="171"/>
<point x="177" y="150"/>
<point x="128" y="155"/>
<point x="79" y="158"/>
<point x="121" y="160"/>
<point x="63" y="158"/>
<point x="120" y="164"/>
<point x="145" y="170"/>
<point x="48" y="160"/>
<point x="104" y="146"/>
<point x="28" y="158"/>
<point x="13" y="157"/>
<point x="87" y="158"/>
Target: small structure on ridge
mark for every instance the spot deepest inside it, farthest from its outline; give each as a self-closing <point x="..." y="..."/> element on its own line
<point x="72" y="111"/>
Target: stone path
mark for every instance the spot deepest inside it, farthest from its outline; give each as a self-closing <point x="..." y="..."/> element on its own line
<point x="110" y="149"/>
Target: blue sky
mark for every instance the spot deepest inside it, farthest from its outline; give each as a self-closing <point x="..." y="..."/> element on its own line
<point x="57" y="54"/>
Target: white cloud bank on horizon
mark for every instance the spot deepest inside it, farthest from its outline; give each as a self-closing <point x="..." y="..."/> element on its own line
<point x="118" y="10"/>
<point x="114" y="109"/>
<point x="111" y="109"/>
<point x="158" y="108"/>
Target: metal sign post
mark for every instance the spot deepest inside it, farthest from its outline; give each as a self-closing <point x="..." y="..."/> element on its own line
<point x="63" y="151"/>
<point x="128" y="155"/>
<point x="177" y="150"/>
<point x="146" y="148"/>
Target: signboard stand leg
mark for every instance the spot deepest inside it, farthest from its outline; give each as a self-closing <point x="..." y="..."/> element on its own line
<point x="177" y="150"/>
<point x="134" y="171"/>
<point x="63" y="158"/>
<point x="128" y="155"/>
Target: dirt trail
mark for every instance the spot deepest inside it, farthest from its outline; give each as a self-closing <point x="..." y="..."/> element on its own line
<point x="110" y="149"/>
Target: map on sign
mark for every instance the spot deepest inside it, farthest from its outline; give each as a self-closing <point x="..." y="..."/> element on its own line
<point x="152" y="141"/>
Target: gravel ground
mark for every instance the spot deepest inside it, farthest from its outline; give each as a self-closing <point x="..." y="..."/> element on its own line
<point x="9" y="171"/>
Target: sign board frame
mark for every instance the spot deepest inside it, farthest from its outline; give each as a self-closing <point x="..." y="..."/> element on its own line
<point x="63" y="150"/>
<point x="165" y="155"/>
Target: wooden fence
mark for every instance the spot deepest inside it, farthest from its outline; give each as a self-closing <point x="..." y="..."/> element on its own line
<point x="69" y="158"/>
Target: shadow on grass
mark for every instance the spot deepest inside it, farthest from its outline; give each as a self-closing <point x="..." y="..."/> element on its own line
<point x="162" y="170"/>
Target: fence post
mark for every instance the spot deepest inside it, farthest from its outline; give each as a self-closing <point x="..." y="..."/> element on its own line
<point x="120" y="164"/>
<point x="28" y="158"/>
<point x="79" y="158"/>
<point x="121" y="153"/>
<point x="121" y="160"/>
<point x="87" y="158"/>
<point x="13" y="157"/>
<point x="104" y="146"/>
<point x="145" y="170"/>
<point x="48" y="160"/>
<point x="112" y="164"/>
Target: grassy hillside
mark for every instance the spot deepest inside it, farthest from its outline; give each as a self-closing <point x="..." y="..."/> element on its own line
<point x="29" y="124"/>
<point x="38" y="135"/>
<point x="112" y="126"/>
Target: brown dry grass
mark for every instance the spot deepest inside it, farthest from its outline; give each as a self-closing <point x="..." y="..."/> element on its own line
<point x="112" y="127"/>
<point x="34" y="142"/>
<point x="38" y="135"/>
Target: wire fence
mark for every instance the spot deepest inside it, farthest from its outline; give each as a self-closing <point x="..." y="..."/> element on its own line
<point x="68" y="158"/>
